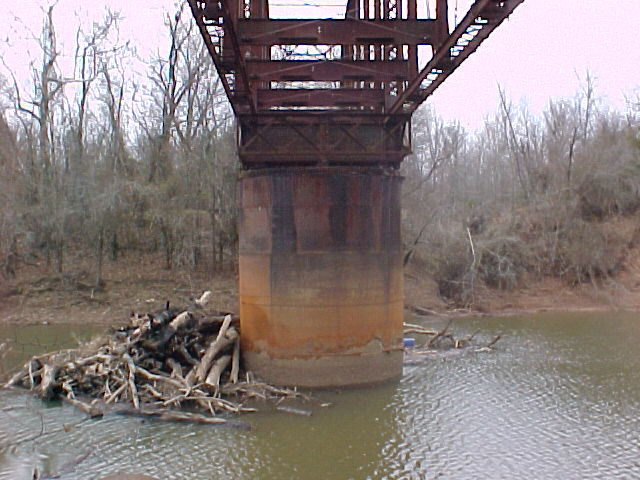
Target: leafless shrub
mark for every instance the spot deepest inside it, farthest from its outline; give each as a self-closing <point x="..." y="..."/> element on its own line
<point x="455" y="281"/>
<point x="537" y="196"/>
<point x="445" y="253"/>
<point x="589" y="251"/>
<point x="603" y="194"/>
<point x="503" y="262"/>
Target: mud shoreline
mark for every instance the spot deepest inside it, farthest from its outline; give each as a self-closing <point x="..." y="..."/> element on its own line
<point x="38" y="297"/>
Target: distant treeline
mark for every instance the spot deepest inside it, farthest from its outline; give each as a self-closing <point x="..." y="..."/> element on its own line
<point x="105" y="161"/>
<point x="112" y="164"/>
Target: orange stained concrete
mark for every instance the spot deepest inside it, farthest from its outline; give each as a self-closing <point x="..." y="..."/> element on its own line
<point x="321" y="275"/>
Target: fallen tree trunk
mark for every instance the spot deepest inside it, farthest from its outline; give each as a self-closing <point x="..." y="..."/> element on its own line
<point x="213" y="378"/>
<point x="225" y="338"/>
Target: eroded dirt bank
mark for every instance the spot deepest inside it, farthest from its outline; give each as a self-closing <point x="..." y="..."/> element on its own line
<point x="141" y="285"/>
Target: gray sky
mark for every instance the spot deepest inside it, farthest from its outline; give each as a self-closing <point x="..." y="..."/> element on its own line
<point x="541" y="52"/>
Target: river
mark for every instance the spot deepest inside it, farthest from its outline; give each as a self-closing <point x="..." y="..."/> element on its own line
<point x="558" y="398"/>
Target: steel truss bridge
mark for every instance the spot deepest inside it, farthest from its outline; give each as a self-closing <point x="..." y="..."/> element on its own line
<point x="336" y="91"/>
<point x="324" y="111"/>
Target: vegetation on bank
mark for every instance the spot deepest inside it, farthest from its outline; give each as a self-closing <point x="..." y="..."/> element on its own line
<point x="116" y="164"/>
<point x="526" y="197"/>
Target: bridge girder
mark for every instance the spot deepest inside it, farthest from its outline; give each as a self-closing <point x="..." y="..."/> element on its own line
<point x="380" y="61"/>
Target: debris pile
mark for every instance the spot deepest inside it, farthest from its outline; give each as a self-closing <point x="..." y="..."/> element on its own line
<point x="174" y="362"/>
<point x="439" y="343"/>
<point x="155" y="365"/>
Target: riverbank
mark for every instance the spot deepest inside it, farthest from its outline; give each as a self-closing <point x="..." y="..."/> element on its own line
<point x="141" y="285"/>
<point x="621" y="293"/>
<point x="137" y="284"/>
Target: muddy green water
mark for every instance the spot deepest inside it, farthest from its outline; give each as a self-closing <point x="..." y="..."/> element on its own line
<point x="558" y="399"/>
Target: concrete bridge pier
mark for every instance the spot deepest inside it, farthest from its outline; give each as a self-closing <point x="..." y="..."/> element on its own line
<point x="321" y="285"/>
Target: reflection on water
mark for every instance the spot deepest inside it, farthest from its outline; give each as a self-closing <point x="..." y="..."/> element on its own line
<point x="29" y="340"/>
<point x="558" y="399"/>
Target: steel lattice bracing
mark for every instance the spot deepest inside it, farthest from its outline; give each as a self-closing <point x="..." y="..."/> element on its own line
<point x="340" y="90"/>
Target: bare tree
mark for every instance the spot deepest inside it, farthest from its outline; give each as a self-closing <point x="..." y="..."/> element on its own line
<point x="8" y="195"/>
<point x="39" y="106"/>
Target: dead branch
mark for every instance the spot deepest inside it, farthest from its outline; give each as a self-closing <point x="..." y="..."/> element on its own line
<point x="91" y="410"/>
<point x="165" y="415"/>
<point x="294" y="411"/>
<point x="144" y="363"/>
<point x="441" y="334"/>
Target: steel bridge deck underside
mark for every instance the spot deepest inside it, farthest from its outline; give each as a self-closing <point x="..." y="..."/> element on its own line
<point x="336" y="91"/>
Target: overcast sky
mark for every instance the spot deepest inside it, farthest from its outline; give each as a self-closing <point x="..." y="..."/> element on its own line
<point x="541" y="52"/>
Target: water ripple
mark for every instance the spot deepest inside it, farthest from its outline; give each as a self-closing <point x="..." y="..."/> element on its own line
<point x="559" y="398"/>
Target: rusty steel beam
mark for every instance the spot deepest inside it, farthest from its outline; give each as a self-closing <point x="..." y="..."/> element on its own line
<point x="311" y="118"/>
<point x="197" y="9"/>
<point x="353" y="9"/>
<point x="369" y="98"/>
<point x="298" y="138"/>
<point x="310" y="157"/>
<point x="239" y="90"/>
<point x="335" y="32"/>
<point x="442" y="21"/>
<point x="377" y="54"/>
<point x="335" y="70"/>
